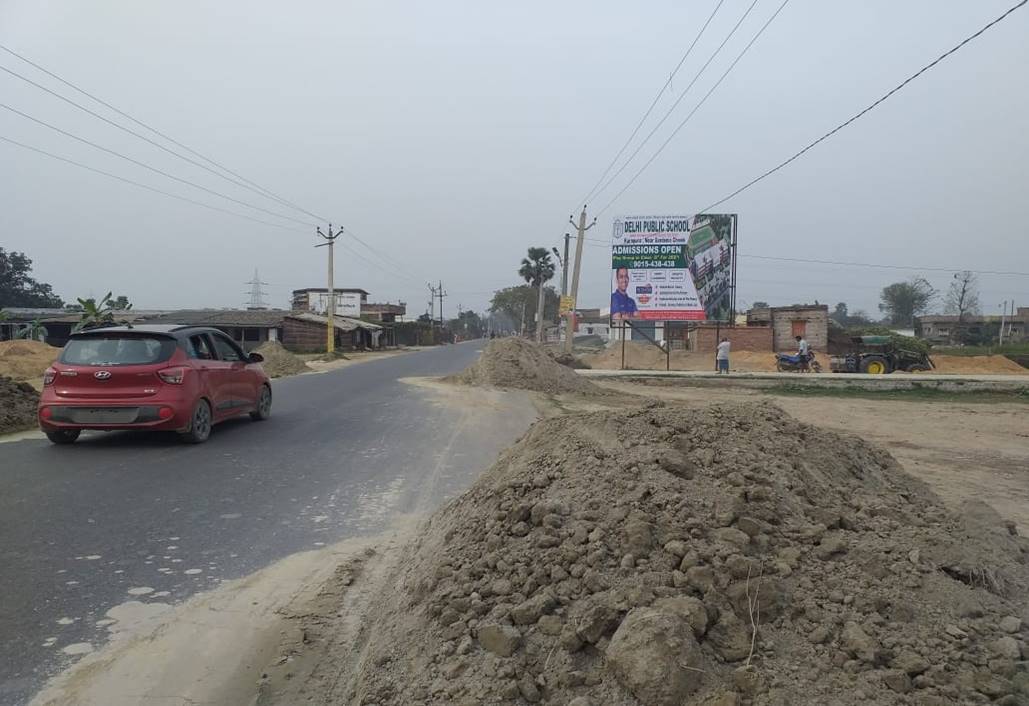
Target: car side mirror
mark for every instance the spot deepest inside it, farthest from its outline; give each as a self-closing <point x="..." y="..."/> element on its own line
<point x="255" y="358"/>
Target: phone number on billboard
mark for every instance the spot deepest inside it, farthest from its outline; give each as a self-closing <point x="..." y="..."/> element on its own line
<point x="654" y="264"/>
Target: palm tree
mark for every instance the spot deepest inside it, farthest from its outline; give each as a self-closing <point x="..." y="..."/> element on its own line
<point x="35" y="331"/>
<point x="537" y="269"/>
<point x="95" y="313"/>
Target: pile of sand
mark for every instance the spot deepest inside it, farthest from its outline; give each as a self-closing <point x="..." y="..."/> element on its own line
<point x="722" y="556"/>
<point x="516" y="363"/>
<point x="279" y="362"/>
<point x="977" y="365"/>
<point x="26" y="360"/>
<point x="18" y="401"/>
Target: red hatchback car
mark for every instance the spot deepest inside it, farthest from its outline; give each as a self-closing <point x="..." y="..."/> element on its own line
<point x="174" y="378"/>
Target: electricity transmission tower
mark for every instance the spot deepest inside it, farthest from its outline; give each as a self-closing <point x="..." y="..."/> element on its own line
<point x="257" y="294"/>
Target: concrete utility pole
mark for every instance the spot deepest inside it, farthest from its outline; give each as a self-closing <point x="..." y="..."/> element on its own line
<point x="581" y="228"/>
<point x="330" y="240"/>
<point x="564" y="266"/>
<point x="432" y="304"/>
<point x="441" y="293"/>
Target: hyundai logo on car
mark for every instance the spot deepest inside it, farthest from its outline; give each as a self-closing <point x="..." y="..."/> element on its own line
<point x="102" y="374"/>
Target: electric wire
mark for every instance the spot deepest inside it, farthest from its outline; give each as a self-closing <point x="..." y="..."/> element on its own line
<point x="129" y="131"/>
<point x="653" y="104"/>
<point x="257" y="188"/>
<point x="697" y="107"/>
<point x="147" y="166"/>
<point x="146" y="186"/>
<point x="894" y="90"/>
<point x="678" y="100"/>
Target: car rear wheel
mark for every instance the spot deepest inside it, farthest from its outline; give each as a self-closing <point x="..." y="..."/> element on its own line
<point x="264" y="405"/>
<point x="63" y="436"/>
<point x="199" y="424"/>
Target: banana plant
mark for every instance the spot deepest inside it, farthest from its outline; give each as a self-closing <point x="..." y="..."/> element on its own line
<point x="35" y="331"/>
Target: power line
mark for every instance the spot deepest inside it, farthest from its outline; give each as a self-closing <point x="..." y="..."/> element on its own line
<point x="839" y="127"/>
<point x="678" y="100"/>
<point x="154" y="130"/>
<point x="653" y="104"/>
<point x="383" y="256"/>
<point x="147" y="166"/>
<point x="697" y="107"/>
<point x="888" y="267"/>
<point x="131" y="132"/>
<point x="146" y="186"/>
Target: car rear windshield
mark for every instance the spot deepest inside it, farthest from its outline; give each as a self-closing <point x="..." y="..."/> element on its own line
<point x="117" y="349"/>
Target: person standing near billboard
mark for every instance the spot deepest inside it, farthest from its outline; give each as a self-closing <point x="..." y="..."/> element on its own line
<point x="622" y="305"/>
<point x="722" y="356"/>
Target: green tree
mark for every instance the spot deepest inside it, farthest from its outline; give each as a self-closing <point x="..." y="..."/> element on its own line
<point x="35" y="331"/>
<point x="514" y="306"/>
<point x="468" y="324"/>
<point x="121" y="303"/>
<point x="760" y="305"/>
<point x="903" y="301"/>
<point x="537" y="269"/>
<point x="18" y="288"/>
<point x="96" y="313"/>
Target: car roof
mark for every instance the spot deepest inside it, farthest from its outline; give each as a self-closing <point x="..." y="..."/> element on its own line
<point x="170" y="330"/>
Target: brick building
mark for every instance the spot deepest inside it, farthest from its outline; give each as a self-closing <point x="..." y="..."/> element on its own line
<point x="705" y="338"/>
<point x="787" y="322"/>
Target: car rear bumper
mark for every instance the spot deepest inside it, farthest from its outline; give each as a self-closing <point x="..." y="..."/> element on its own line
<point x="58" y="414"/>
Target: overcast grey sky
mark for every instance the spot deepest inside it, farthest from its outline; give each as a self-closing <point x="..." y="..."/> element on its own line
<point x="453" y="135"/>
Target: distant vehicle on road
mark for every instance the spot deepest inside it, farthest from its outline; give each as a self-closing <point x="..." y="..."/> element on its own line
<point x="167" y="378"/>
<point x="786" y="363"/>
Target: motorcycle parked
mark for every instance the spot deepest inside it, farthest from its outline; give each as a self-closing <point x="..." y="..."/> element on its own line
<point x="786" y="363"/>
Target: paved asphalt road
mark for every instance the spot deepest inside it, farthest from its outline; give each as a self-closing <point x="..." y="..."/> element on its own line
<point x="82" y="526"/>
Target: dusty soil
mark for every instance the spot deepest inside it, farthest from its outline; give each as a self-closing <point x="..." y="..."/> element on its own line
<point x="26" y="360"/>
<point x="514" y="363"/>
<point x="644" y="356"/>
<point x="978" y="365"/>
<point x="279" y="362"/>
<point x="962" y="449"/>
<point x="698" y="556"/>
<point x="18" y="402"/>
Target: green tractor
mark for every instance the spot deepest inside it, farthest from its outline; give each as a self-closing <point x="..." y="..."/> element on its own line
<point x="879" y="355"/>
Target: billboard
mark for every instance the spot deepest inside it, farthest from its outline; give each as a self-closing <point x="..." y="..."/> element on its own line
<point x="673" y="268"/>
<point x="347" y="303"/>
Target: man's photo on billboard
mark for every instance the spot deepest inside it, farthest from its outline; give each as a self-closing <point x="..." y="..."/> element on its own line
<point x="623" y="306"/>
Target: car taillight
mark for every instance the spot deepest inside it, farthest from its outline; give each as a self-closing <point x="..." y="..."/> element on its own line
<point x="165" y="413"/>
<point x="46" y="413"/>
<point x="172" y="376"/>
<point x="48" y="376"/>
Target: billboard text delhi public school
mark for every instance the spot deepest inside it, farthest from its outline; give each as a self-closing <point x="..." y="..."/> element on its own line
<point x="669" y="268"/>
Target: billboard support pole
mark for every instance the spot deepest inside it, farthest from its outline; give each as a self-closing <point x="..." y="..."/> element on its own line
<point x="732" y="304"/>
<point x="581" y="227"/>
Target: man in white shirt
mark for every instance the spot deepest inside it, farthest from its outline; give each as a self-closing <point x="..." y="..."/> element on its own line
<point x="804" y="351"/>
<point x="722" y="356"/>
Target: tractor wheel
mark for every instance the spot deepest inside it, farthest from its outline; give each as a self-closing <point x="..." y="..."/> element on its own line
<point x="874" y="365"/>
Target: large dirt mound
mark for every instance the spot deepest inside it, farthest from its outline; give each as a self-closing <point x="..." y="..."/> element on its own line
<point x="26" y="360"/>
<point x="516" y="363"/>
<point x="17" y="405"/>
<point x="723" y="556"/>
<point x="279" y="362"/>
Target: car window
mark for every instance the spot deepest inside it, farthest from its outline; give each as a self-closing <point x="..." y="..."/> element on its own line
<point x="113" y="349"/>
<point x="199" y="347"/>
<point x="226" y="349"/>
